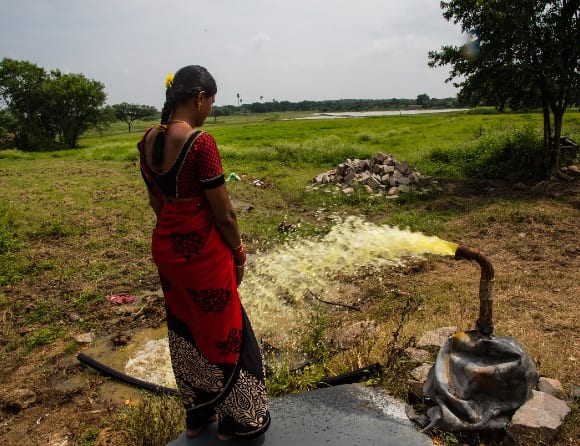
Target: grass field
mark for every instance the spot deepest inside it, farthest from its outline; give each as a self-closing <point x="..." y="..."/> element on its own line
<point x="75" y="228"/>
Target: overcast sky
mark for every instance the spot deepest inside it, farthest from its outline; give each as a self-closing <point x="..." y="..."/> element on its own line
<point x="280" y="49"/>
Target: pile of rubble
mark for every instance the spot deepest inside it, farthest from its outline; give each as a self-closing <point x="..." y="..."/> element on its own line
<point x="382" y="175"/>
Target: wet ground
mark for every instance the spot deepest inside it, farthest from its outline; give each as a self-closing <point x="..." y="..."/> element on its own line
<point x="343" y="415"/>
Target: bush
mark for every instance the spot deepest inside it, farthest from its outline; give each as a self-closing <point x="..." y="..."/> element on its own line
<point x="514" y="154"/>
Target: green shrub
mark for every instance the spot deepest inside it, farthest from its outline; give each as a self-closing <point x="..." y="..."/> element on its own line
<point x="154" y="421"/>
<point x="510" y="154"/>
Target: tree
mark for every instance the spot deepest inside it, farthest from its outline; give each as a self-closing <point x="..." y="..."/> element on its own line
<point x="48" y="106"/>
<point x="424" y="100"/>
<point x="130" y="112"/>
<point x="520" y="53"/>
<point x="73" y="104"/>
<point x="21" y="90"/>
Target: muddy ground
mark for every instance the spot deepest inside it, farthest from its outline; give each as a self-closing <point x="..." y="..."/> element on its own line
<point x="537" y="294"/>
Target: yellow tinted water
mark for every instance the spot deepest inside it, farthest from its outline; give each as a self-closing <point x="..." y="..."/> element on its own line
<point x="277" y="283"/>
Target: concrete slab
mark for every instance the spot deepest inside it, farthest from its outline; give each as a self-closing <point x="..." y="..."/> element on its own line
<point x="342" y="415"/>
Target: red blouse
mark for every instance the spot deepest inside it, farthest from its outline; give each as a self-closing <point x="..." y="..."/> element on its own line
<point x="198" y="166"/>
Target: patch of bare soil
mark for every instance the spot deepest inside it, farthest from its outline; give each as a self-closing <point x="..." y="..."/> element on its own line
<point x="535" y="254"/>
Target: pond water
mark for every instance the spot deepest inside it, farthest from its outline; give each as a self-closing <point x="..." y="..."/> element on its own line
<point x="365" y="114"/>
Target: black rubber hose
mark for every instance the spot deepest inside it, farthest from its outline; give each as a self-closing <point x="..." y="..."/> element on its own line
<point x="350" y="377"/>
<point x="126" y="379"/>
<point x="345" y="378"/>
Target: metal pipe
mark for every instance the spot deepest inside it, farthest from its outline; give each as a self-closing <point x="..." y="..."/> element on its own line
<point x="484" y="324"/>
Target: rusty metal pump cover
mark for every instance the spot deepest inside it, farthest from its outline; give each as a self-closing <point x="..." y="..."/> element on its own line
<point x="479" y="380"/>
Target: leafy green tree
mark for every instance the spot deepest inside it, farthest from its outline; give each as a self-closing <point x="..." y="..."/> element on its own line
<point x="130" y="112"/>
<point x="520" y="53"/>
<point x="48" y="106"/>
<point x="7" y="122"/>
<point x="21" y="90"/>
<point x="424" y="100"/>
<point x="73" y="103"/>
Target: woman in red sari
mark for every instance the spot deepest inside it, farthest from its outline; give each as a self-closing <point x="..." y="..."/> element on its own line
<point x="200" y="257"/>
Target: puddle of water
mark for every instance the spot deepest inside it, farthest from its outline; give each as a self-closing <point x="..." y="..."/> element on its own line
<point x="146" y="357"/>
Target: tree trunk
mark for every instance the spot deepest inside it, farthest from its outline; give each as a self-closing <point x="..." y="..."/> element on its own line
<point x="547" y="135"/>
<point x="553" y="165"/>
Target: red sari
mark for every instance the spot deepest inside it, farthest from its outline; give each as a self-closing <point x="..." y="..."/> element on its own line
<point x="215" y="356"/>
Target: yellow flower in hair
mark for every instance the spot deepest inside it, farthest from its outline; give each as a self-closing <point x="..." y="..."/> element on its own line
<point x="168" y="80"/>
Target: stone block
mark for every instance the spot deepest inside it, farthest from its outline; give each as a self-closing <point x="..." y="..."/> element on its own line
<point x="415" y="177"/>
<point x="380" y="157"/>
<point x="552" y="387"/>
<point x="420" y="373"/>
<point x="403" y="181"/>
<point x="539" y="419"/>
<point x="362" y="178"/>
<point x="373" y="183"/>
<point x="349" y="177"/>
<point x="403" y="167"/>
<point x="18" y="399"/>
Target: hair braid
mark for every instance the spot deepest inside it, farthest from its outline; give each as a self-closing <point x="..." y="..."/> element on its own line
<point x="157" y="155"/>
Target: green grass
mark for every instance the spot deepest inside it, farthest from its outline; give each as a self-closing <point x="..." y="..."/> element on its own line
<point x="75" y="224"/>
<point x="64" y="196"/>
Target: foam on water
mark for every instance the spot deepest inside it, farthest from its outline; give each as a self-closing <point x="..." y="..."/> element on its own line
<point x="276" y="282"/>
<point x="152" y="363"/>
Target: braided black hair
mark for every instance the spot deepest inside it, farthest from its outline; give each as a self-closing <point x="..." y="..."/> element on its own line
<point x="187" y="83"/>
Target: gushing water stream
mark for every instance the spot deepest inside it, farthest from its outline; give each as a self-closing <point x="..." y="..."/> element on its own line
<point x="276" y="282"/>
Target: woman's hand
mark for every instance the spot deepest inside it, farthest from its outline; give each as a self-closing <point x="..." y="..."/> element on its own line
<point x="239" y="262"/>
<point x="239" y="274"/>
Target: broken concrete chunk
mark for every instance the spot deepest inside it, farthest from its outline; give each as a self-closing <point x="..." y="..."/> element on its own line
<point x="18" y="399"/>
<point x="385" y="169"/>
<point x="552" y="387"/>
<point x="540" y="418"/>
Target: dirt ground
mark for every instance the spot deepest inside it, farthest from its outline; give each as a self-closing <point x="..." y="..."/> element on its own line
<point x="537" y="288"/>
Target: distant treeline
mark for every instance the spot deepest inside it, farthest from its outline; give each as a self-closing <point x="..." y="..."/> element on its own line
<point x="339" y="105"/>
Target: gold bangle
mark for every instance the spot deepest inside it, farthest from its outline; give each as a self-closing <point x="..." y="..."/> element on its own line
<point x="241" y="245"/>
<point x="240" y="266"/>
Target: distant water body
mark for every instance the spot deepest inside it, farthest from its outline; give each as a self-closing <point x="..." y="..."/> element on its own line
<point x="365" y="114"/>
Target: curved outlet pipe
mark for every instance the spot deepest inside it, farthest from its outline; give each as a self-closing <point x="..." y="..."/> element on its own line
<point x="484" y="324"/>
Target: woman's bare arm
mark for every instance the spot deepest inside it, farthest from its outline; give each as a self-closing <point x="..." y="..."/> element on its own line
<point x="227" y="225"/>
<point x="224" y="215"/>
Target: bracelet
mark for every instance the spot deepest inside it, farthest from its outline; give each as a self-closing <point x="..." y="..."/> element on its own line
<point x="239" y="255"/>
<point x="240" y="266"/>
<point x="240" y="247"/>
